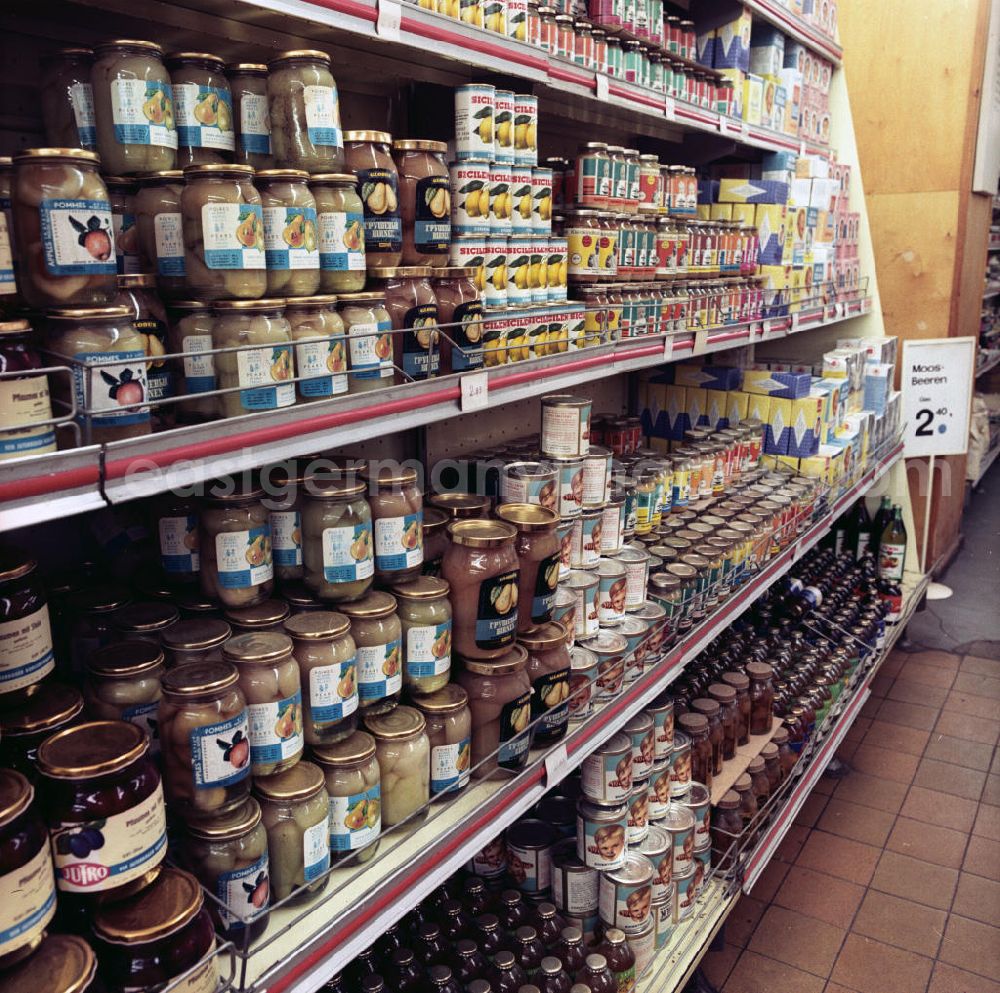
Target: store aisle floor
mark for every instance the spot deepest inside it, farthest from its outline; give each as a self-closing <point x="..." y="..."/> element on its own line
<point x="889" y="881"/>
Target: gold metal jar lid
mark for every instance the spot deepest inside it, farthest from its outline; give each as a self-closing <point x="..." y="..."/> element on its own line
<point x="481" y="534"/>
<point x="138" y="44"/>
<point x="401" y="272"/>
<point x="247" y="68"/>
<point x="41" y="711"/>
<point x="80" y="315"/>
<point x="93" y="749"/>
<point x="373" y="604"/>
<point x="278" y="175"/>
<point x="460" y="505"/>
<point x="301" y="55"/>
<point x="175" y="59"/>
<point x="223" y="169"/>
<point x="205" y="305"/>
<point x="359" y="747"/>
<point x="224" y="489"/>
<point x="543" y="636"/>
<point x="401" y="722"/>
<point x="321" y="300"/>
<point x="250" y="306"/>
<point x="125" y="658"/>
<point x="423" y="588"/>
<point x="419" y="145"/>
<point x="137" y="281"/>
<point x="14" y="327"/>
<point x="231" y="825"/>
<point x="334" y="178"/>
<point x="16" y="794"/>
<point x="366" y="296"/>
<point x="513" y="661"/>
<point x="167" y="904"/>
<point x="379" y="137"/>
<point x="257" y="648"/>
<point x="528" y="517"/>
<point x="14" y="563"/>
<point x="317" y="625"/>
<point x="199" y="678"/>
<point x="327" y="486"/>
<point x="146" y="616"/>
<point x="260" y="615"/>
<point x="457" y="272"/>
<point x="449" y="698"/>
<point x="434" y="520"/>
<point x="301" y="782"/>
<point x="196" y="634"/>
<point x="386" y="475"/>
<point x="61" y="963"/>
<point x="68" y="51"/>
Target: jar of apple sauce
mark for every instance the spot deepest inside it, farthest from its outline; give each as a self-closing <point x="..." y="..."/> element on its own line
<point x="25" y="629"/>
<point x="337" y="548"/>
<point x="369" y="343"/>
<point x="159" y="226"/>
<point x="189" y="331"/>
<point x="424" y="201"/>
<point x="291" y="245"/>
<point x="228" y="855"/>
<point x="108" y="396"/>
<point x="397" y="517"/>
<point x="353" y="786"/>
<point x="548" y="669"/>
<point x="538" y="560"/>
<point x="413" y="311"/>
<point x="460" y="316"/>
<point x="449" y="730"/>
<point x="367" y="156"/>
<point x="34" y="717"/>
<point x="295" y="810"/>
<point x="321" y="346"/>
<point x="481" y="566"/>
<point x="26" y="874"/>
<point x="248" y="85"/>
<point x="146" y="940"/>
<point x="259" y="378"/>
<point x="304" y="107"/>
<point x="425" y="616"/>
<point x="377" y="632"/>
<point x="327" y="658"/>
<point x="499" y="692"/>
<point x="435" y="540"/>
<point x="102" y="772"/>
<point x="62" y="229"/>
<point x="67" y="99"/>
<point x="122" y="683"/>
<point x="404" y="759"/>
<point x="203" y="108"/>
<point x="133" y="108"/>
<point x="269" y="679"/>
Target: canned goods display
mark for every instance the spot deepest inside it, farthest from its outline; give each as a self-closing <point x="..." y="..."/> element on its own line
<point x="575" y="885"/>
<point x="601" y="833"/>
<point x="611" y="592"/>
<point x="529" y="844"/>
<point x="606" y="774"/>
<point x="475" y="107"/>
<point x="565" y="426"/>
<point x="626" y="894"/>
<point x="470" y="197"/>
<point x="582" y="682"/>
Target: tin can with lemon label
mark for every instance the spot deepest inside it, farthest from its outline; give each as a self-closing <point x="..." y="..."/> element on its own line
<point x="470" y="197"/>
<point x="521" y="202"/>
<point x="556" y="282"/>
<point x="475" y="105"/>
<point x="519" y="273"/>
<point x="538" y="274"/>
<point x="500" y="201"/>
<point x="470" y="252"/>
<point x="541" y="200"/>
<point x="525" y="129"/>
<point x="495" y="288"/>
<point x="503" y="120"/>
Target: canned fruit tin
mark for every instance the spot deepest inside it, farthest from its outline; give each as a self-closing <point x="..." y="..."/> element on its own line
<point x="640" y="730"/>
<point x="596" y="476"/>
<point x="636" y="564"/>
<point x="587" y="539"/>
<point x="611" y="603"/>
<point x="538" y="272"/>
<point x="600" y="834"/>
<point x="495" y="328"/>
<point x="564" y="531"/>
<point x="663" y="919"/>
<point x="521" y="202"/>
<point x="662" y="712"/>
<point x="659" y="789"/>
<point x="606" y="775"/>
<point x="518" y="286"/>
<point x="529" y="843"/>
<point x="495" y="290"/>
<point x="658" y="849"/>
<point x="679" y="824"/>
<point x="565" y="425"/>
<point x="470" y="252"/>
<point x="558" y="273"/>
<point x="643" y="946"/>
<point x="613" y="525"/>
<point x="686" y="892"/>
<point x="636" y="632"/>
<point x="491" y="861"/>
<point x="470" y="197"/>
<point x="541" y="200"/>
<point x="582" y="682"/>
<point x="575" y="886"/>
<point x="626" y="895"/>
<point x="475" y="105"/>
<point x="564" y="611"/>
<point x="585" y="588"/>
<point x="570" y="486"/>
<point x="680" y="765"/>
<point x="503" y="117"/>
<point x="525" y="129"/>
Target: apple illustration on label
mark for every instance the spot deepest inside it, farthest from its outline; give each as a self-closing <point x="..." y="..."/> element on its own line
<point x="125" y="390"/>
<point x="95" y="239"/>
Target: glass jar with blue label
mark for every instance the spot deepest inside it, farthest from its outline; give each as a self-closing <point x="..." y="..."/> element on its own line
<point x="449" y="730"/>
<point x="121" y="192"/>
<point x="189" y="333"/>
<point x="251" y="118"/>
<point x="176" y="522"/>
<point x="404" y="758"/>
<point x="295" y="807"/>
<point x="67" y="99"/>
<point x="149" y="318"/>
<point x="203" y="108"/>
<point x="291" y="241"/>
<point x="25" y="401"/>
<point x="353" y="784"/>
<point x="320" y="346"/>
<point x="413" y="311"/>
<point x="160" y="233"/>
<point x="378" y="634"/>
<point x="369" y="340"/>
<point x="425" y="615"/>
<point x="285" y="483"/>
<point x="341" y="232"/>
<point x="424" y="200"/>
<point x="397" y="518"/>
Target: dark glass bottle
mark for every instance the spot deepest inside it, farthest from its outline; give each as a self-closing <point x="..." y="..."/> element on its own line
<point x="468" y="962"/>
<point x="430" y="946"/>
<point x="453" y="920"/>
<point x="530" y="950"/>
<point x="596" y="974"/>
<point x="441" y="980"/>
<point x="372" y="983"/>
<point x="548" y="923"/>
<point x="388" y="943"/>
<point x="512" y="911"/>
<point x="882" y="517"/>
<point x="489" y="937"/>
<point x="336" y="985"/>
<point x="620" y="957"/>
<point x="403" y="972"/>
<point x="475" y="897"/>
<point x="505" y="975"/>
<point x="570" y="949"/>
<point x="552" y="978"/>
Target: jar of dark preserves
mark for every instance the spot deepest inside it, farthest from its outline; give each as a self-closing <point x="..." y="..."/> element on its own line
<point x="786" y="754"/>
<point x="489" y="937"/>
<point x="104" y="803"/>
<point x="772" y="764"/>
<point x="570" y="950"/>
<point x="748" y="799"/>
<point x="552" y="977"/>
<point x="157" y="935"/>
<point x="716" y="734"/>
<point x="727" y="824"/>
<point x="430" y="945"/>
<point x="506" y="976"/>
<point x="695" y="726"/>
<point x="441" y="980"/>
<point x="548" y="923"/>
<point x="25" y="726"/>
<point x="729" y="712"/>
<point x="759" y="783"/>
<point x="24" y="396"/>
<point x="596" y="975"/>
<point x="761" y="696"/>
<point x="475" y="897"/>
<point x="620" y="957"/>
<point x="513" y="914"/>
<point x="741" y="684"/>
<point x="25" y="632"/>
<point x="62" y="963"/>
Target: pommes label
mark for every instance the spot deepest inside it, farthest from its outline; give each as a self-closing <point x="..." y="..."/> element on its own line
<point x="355" y="821"/>
<point x="77" y="237"/>
<point x="244" y="891"/>
<point x="109" y="391"/>
<point x="220" y="752"/>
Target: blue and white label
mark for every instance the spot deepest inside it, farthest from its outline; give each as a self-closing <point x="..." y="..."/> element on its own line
<point x="179" y="544"/>
<point x="290" y="238"/>
<point x="355" y="821"/>
<point x="77" y="237"/>
<point x="428" y="649"/>
<point x="316" y="849"/>
<point x="246" y="892"/>
<point x="29" y="901"/>
<point x="259" y="369"/>
<point x="347" y="553"/>
<point x="169" y="235"/>
<point x="199" y="370"/>
<point x="333" y="691"/>
<point x="109" y="392"/>
<point x="286" y="537"/>
<point x="450" y="766"/>
<point x="243" y="558"/>
<point x="341" y="241"/>
<point x="275" y="730"/>
<point x="399" y="542"/>
<point x="323" y="115"/>
<point x="25" y="650"/>
<point x="7" y="282"/>
<point x="380" y="670"/>
<point x="370" y="350"/>
<point x="126" y="236"/>
<point x="143" y="715"/>
<point x="81" y="98"/>
<point x="234" y="235"/>
<point x="220" y="752"/>
<point x="204" y="116"/>
<point x="322" y="367"/>
<point x="255" y="124"/>
<point x="143" y="112"/>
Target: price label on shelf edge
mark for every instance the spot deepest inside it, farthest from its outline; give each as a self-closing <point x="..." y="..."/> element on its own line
<point x="556" y="765"/>
<point x="601" y="85"/>
<point x="390" y="16"/>
<point x="700" y="342"/>
<point x="475" y="391"/>
<point x="669" y="108"/>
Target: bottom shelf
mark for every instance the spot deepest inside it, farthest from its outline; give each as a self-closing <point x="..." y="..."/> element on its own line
<point x="988" y="460"/>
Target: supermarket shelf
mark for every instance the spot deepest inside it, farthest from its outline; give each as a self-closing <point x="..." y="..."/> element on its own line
<point x="47" y="487"/>
<point x="992" y="290"/>
<point x="733" y="768"/>
<point x="991" y="362"/>
<point x="796" y="28"/>
<point x="988" y="460"/>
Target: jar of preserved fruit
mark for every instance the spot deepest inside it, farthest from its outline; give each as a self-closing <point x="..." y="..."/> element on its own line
<point x="159" y="228"/>
<point x="741" y="683"/>
<point x="25" y="631"/>
<point x="62" y="229"/>
<point x="133" y="108"/>
<point x="203" y="108"/>
<point x="337" y="547"/>
<point x="695" y="726"/>
<point x="26" y="875"/>
<point x="36" y="716"/>
<point x="67" y="99"/>
<point x="109" y="360"/>
<point x="248" y="85"/>
<point x="58" y="963"/>
<point x="341" y="232"/>
<point x="327" y="659"/>
<point x="321" y="346"/>
<point x="24" y="399"/>
<point x="189" y="331"/>
<point x="377" y="632"/>
<point x="424" y="201"/>
<point x="123" y="683"/>
<point x="711" y="710"/>
<point x="269" y="679"/>
<point x="148" y="939"/>
<point x="761" y="696"/>
<point x="367" y="156"/>
<point x="304" y="108"/>
<point x="290" y="232"/>
<point x="269" y="615"/>
<point x="149" y="318"/>
<point x="91" y="609"/>
<point x="195" y="640"/>
<point x="8" y="284"/>
<point x="403" y="751"/>
<point x="537" y="547"/>
<point x="425" y="616"/>
<point x="121" y="193"/>
<point x="369" y="343"/>
<point x="237" y="566"/>
<point x="413" y="312"/>
<point x="397" y="515"/>
<point x="295" y="810"/>
<point x="548" y="670"/>
<point x="499" y="691"/>
<point x="104" y="800"/>
<point x="435" y="540"/>
<point x="460" y="315"/>
<point x="449" y="730"/>
<point x="353" y="784"/>
<point x="481" y="565"/>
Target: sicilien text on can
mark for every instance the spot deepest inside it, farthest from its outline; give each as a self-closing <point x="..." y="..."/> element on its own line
<point x="470" y="197"/>
<point x="475" y="104"/>
<point x="525" y="129"/>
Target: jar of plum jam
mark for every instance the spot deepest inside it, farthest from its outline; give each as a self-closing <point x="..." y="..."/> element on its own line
<point x="25" y="632"/>
<point x="157" y="935"/>
<point x="26" y="877"/>
<point x="104" y="803"/>
<point x="24" y="726"/>
<point x="62" y="963"/>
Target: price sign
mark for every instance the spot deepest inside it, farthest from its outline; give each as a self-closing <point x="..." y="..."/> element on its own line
<point x="475" y="391"/>
<point x="601" y="83"/>
<point x="936" y="380"/>
<point x="700" y="342"/>
<point x="556" y="765"/>
<point x="390" y="16"/>
<point x="669" y="108"/>
<point x="668" y="347"/>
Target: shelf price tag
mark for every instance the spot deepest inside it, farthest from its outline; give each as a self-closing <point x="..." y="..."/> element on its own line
<point x="475" y="391"/>
<point x="765" y="329"/>
<point x="669" y="108"/>
<point x="556" y="765"/>
<point x="601" y="84"/>
<point x="700" y="342"/>
<point x="390" y="16"/>
<point x="795" y="323"/>
<point x="668" y="347"/>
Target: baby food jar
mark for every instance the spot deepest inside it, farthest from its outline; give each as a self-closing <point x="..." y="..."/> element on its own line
<point x="397" y="517"/>
<point x="449" y="730"/>
<point x="377" y="632"/>
<point x="403" y="751"/>
<point x="36" y="716"/>
<point x="291" y="245"/>
<point x="353" y="785"/>
<point x="248" y="85"/>
<point x="424" y="201"/>
<point x="102" y="772"/>
<point x="133" y="108"/>
<point x="337" y="538"/>
<point x="67" y="99"/>
<point x="24" y="624"/>
<point x="295" y="808"/>
<point x="62" y="229"/>
<point x="159" y="227"/>
<point x="413" y="311"/>
<point x="425" y="616"/>
<point x="305" y="112"/>
<point x="195" y="640"/>
<point x="369" y="344"/>
<point x="269" y="679"/>
<point x="327" y="658"/>
<point x="499" y="692"/>
<point x="228" y="855"/>
<point x="123" y="683"/>
<point x="203" y="108"/>
<point x="548" y="669"/>
<point x="481" y="566"/>
<point x="367" y="156"/>
<point x="460" y="316"/>
<point x="25" y="868"/>
<point x="341" y="232"/>
<point x="538" y="556"/>
<point x="235" y="546"/>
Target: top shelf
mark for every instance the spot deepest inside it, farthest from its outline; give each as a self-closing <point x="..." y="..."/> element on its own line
<point x="796" y="28"/>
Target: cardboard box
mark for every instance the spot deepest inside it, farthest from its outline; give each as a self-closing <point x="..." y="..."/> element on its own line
<point x="705" y="48"/>
<point x="719" y="211"/>
<point x="696" y="408"/>
<point x="707" y="377"/>
<point x="732" y="40"/>
<point x="744" y="212"/>
<point x="715" y="406"/>
<point x="753" y="98"/>
<point x="877" y="386"/>
<point x="893" y="414"/>
<point x="736" y="406"/>
<point x="807" y="426"/>
<point x="675" y="407"/>
<point x="778" y="427"/>
<point x="767" y="49"/>
<point x="779" y="166"/>
<point x="785" y="385"/>
<point x="770" y="219"/>
<point x="737" y="77"/>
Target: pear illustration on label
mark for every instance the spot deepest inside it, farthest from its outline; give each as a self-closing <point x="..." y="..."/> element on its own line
<point x="364" y="813"/>
<point x="412" y="535"/>
<point x="464" y="757"/>
<point x="295" y="232"/>
<point x="158" y="108"/>
<point x="442" y="644"/>
<point x="354" y="237"/>
<point x="439" y="202"/>
<point x="391" y="665"/>
<point x="206" y="110"/>
<point x="289" y="722"/>
<point x="336" y="360"/>
<point x="281" y="364"/>
<point x="259" y="551"/>
<point x="361" y="547"/>
<point x="380" y="198"/>
<point x="347" y="686"/>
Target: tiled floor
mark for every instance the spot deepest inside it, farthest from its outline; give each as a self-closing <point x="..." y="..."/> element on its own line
<point x="889" y="881"/>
